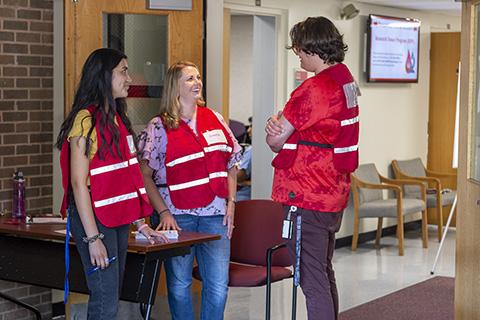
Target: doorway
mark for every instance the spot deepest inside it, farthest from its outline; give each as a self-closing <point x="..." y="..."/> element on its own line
<point x="256" y="81"/>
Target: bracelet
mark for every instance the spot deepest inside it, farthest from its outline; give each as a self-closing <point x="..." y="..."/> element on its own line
<point x="94" y="238"/>
<point x="231" y="199"/>
<point x="139" y="220"/>
<point x="163" y="211"/>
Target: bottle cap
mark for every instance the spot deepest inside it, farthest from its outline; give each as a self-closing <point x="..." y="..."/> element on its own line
<point x="18" y="175"/>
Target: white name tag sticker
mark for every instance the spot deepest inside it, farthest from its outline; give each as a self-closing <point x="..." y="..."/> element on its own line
<point x="215" y="136"/>
<point x="131" y="144"/>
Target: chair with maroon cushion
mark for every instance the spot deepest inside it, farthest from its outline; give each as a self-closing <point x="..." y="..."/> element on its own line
<point x="256" y="237"/>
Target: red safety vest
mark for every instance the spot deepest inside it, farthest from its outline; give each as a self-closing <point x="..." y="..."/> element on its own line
<point x="196" y="165"/>
<point x="345" y="148"/>
<point x="116" y="185"/>
<point x="311" y="171"/>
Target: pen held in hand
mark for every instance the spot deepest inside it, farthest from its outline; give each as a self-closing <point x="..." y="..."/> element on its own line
<point x="92" y="270"/>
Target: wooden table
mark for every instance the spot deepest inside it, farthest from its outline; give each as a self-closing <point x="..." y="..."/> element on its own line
<point x="34" y="254"/>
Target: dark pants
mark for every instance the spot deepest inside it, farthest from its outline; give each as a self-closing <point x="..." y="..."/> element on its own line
<point x="104" y="285"/>
<point x="317" y="278"/>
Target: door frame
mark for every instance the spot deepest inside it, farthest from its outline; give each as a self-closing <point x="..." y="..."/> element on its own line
<point x="263" y="103"/>
<point x="467" y="268"/>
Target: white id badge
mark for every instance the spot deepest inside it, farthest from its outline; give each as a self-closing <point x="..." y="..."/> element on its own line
<point x="287" y="230"/>
<point x="215" y="136"/>
<point x="131" y="144"/>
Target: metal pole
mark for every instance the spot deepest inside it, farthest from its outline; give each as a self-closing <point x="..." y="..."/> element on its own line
<point x="452" y="210"/>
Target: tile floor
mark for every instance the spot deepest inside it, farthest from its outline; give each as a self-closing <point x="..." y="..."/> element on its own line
<point x="361" y="276"/>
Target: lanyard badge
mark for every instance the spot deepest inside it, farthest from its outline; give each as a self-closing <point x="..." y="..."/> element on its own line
<point x="287" y="229"/>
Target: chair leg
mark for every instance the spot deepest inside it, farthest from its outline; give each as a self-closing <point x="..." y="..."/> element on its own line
<point x="355" y="234"/>
<point x="294" y="301"/>
<point x="379" y="231"/>
<point x="400" y="237"/>
<point x="268" y="295"/>
<point x="424" y="228"/>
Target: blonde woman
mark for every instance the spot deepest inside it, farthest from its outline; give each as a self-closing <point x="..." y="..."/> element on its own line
<point x="188" y="159"/>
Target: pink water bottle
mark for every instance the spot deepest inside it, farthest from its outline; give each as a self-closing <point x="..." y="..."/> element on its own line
<point x="18" y="207"/>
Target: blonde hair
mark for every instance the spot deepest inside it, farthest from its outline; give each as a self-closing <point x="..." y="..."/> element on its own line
<point x="170" y="104"/>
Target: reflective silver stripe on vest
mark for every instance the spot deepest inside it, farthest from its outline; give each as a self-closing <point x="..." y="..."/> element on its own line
<point x="133" y="161"/>
<point x="349" y="121"/>
<point x="219" y="174"/>
<point x="198" y="182"/>
<point x="289" y="146"/>
<point x="190" y="184"/>
<point x="220" y="147"/>
<point x="142" y="190"/>
<point x="186" y="158"/>
<point x="123" y="197"/>
<point x="108" y="168"/>
<point x="346" y="149"/>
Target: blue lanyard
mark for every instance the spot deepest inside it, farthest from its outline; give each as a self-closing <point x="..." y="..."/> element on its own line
<point x="298" y="249"/>
<point x="66" y="287"/>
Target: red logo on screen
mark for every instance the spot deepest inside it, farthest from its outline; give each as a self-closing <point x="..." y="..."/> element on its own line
<point x="410" y="63"/>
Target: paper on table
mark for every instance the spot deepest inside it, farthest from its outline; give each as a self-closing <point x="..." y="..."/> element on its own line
<point x="169" y="234"/>
<point x="63" y="231"/>
<point x="49" y="220"/>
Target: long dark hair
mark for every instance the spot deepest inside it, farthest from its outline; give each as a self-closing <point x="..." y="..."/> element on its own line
<point x="95" y="88"/>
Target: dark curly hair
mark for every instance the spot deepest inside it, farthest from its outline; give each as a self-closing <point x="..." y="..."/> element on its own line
<point x="318" y="35"/>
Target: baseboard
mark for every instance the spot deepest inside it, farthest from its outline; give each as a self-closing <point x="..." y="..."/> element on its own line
<point x="369" y="236"/>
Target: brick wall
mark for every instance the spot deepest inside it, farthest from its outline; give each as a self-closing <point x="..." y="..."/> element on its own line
<point x="26" y="100"/>
<point x="39" y="297"/>
<point x="26" y="123"/>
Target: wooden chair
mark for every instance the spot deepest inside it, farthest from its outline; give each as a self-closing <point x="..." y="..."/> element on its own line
<point x="368" y="202"/>
<point x="414" y="169"/>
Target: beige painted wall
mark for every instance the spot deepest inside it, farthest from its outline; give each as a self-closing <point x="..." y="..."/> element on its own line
<point x="394" y="117"/>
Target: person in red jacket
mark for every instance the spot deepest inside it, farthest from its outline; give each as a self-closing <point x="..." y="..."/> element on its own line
<point x="316" y="137"/>
<point x="98" y="150"/>
<point x="188" y="159"/>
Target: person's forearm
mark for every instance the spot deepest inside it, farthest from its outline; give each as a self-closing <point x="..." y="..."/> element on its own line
<point x="232" y="182"/>
<point x="84" y="207"/>
<point x="156" y="199"/>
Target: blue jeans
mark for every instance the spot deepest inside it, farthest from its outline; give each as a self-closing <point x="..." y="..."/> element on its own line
<point x="213" y="259"/>
<point x="104" y="285"/>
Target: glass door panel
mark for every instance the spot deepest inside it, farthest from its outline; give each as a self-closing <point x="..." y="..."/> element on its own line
<point x="144" y="40"/>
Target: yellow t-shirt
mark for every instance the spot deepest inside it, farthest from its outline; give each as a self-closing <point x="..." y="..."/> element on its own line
<point x="81" y="125"/>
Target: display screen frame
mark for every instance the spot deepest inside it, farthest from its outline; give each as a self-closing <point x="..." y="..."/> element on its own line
<point x="373" y="73"/>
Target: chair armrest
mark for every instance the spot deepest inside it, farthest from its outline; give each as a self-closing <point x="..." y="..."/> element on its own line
<point x="448" y="180"/>
<point x="367" y="185"/>
<point x="433" y="180"/>
<point x="403" y="182"/>
<point x="271" y="251"/>
<point x="379" y="186"/>
<point x="276" y="247"/>
<point x="437" y="174"/>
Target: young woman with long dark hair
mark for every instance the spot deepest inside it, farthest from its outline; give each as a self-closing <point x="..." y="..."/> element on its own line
<point x="103" y="186"/>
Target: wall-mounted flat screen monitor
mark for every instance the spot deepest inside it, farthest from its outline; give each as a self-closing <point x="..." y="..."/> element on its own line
<point x="392" y="49"/>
